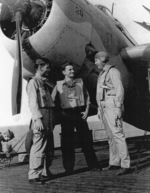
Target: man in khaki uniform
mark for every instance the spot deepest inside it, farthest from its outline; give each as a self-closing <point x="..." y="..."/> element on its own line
<point x="110" y="95"/>
<point x="41" y="107"/>
<point x="75" y="102"/>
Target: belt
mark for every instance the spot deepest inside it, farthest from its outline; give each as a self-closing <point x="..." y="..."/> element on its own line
<point x="47" y="108"/>
<point x="82" y="108"/>
<point x="110" y="94"/>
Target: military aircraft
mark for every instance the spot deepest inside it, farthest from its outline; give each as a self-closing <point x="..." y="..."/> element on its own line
<point x="60" y="30"/>
<point x="144" y="24"/>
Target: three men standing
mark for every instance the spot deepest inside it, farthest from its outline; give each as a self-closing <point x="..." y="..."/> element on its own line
<point x="110" y="95"/>
<point x="74" y="100"/>
<point x="41" y="107"/>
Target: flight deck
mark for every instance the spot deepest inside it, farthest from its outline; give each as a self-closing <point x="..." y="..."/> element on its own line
<point x="13" y="177"/>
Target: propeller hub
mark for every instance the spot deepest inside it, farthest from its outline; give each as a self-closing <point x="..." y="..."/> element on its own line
<point x="33" y="12"/>
<point x="36" y="15"/>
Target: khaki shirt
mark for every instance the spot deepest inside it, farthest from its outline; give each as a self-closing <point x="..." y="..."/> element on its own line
<point x="109" y="84"/>
<point x="71" y="94"/>
<point x="39" y="97"/>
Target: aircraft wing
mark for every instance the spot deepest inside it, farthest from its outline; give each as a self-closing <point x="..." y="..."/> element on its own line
<point x="143" y="24"/>
<point x="146" y="9"/>
<point x="141" y="52"/>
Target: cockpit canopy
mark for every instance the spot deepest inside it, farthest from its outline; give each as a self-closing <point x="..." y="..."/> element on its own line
<point x="105" y="10"/>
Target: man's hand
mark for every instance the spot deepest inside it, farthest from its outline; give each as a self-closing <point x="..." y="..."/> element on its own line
<point x="38" y="125"/>
<point x="118" y="112"/>
<point x="84" y="114"/>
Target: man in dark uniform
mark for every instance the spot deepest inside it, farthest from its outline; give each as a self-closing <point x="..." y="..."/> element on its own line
<point x="41" y="107"/>
<point x="89" y="72"/>
<point x="75" y="102"/>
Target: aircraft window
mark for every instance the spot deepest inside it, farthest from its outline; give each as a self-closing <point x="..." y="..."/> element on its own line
<point x="119" y="25"/>
<point x="105" y="10"/>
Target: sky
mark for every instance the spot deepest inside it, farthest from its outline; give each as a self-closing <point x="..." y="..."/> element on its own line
<point x="126" y="11"/>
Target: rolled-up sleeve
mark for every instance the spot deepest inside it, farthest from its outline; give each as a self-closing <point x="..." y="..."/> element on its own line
<point x="117" y="84"/>
<point x="87" y="97"/>
<point x="54" y="93"/>
<point x="98" y="91"/>
<point x="32" y="92"/>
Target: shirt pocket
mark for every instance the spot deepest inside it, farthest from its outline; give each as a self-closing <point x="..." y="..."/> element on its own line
<point x="42" y="97"/>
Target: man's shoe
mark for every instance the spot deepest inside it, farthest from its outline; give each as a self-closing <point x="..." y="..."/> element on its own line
<point x="45" y="178"/>
<point x="69" y="172"/>
<point x="96" y="169"/>
<point x="49" y="174"/>
<point x="110" y="167"/>
<point x="34" y="180"/>
<point x="123" y="171"/>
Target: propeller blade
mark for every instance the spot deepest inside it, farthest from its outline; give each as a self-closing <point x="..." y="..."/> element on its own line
<point x="17" y="71"/>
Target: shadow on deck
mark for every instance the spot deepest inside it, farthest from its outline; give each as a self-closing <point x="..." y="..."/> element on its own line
<point x="14" y="178"/>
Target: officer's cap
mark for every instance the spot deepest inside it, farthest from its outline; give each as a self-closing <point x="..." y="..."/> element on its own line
<point x="101" y="54"/>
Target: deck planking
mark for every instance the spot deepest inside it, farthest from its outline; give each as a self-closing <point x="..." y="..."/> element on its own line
<point x="14" y="178"/>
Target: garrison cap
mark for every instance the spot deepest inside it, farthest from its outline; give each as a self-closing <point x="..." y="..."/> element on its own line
<point x="41" y="61"/>
<point x="101" y="54"/>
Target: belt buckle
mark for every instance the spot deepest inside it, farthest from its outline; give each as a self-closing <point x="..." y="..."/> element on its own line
<point x="75" y="108"/>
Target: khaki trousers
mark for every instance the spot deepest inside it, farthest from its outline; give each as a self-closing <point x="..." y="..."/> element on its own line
<point x="42" y="150"/>
<point x="118" y="151"/>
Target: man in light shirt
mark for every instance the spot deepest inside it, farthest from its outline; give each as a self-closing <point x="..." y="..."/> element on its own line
<point x="74" y="100"/>
<point x="41" y="107"/>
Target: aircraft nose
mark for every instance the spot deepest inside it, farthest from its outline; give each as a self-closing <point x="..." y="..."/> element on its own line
<point x="34" y="14"/>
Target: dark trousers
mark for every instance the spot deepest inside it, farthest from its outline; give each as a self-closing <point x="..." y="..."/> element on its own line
<point x="71" y="119"/>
